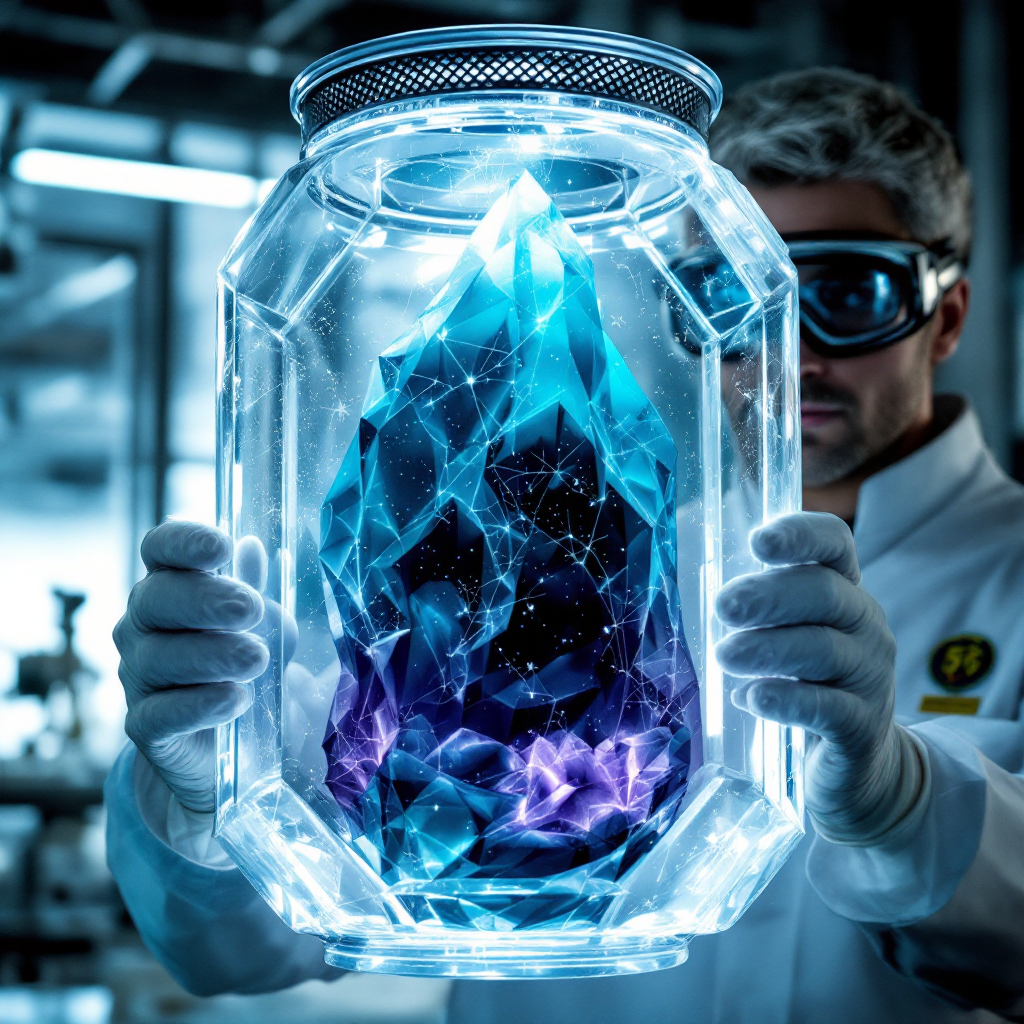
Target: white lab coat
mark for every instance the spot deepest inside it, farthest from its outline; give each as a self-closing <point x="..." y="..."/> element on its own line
<point x="931" y="930"/>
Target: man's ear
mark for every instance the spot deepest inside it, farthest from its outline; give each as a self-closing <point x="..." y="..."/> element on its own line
<point x="950" y="317"/>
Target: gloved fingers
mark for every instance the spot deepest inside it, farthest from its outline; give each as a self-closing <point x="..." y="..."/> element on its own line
<point x="803" y="537"/>
<point x="277" y="625"/>
<point x="279" y="631"/>
<point x="823" y="710"/>
<point x="169" y="714"/>
<point x="812" y="653"/>
<point x="182" y="599"/>
<point x="793" y="595"/>
<point x="177" y="544"/>
<point x="251" y="562"/>
<point x="154" y="661"/>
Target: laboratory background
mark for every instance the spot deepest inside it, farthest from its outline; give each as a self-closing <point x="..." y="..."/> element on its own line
<point x="136" y="138"/>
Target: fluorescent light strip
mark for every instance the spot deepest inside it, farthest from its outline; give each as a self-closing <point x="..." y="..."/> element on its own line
<point x="167" y="182"/>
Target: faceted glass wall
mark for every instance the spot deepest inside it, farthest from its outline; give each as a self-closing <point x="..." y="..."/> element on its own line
<point x="504" y="387"/>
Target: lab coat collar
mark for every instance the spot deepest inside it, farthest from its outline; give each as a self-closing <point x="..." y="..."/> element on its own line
<point x="900" y="498"/>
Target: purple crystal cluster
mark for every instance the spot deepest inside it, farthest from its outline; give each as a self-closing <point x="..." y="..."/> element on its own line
<point x="498" y="549"/>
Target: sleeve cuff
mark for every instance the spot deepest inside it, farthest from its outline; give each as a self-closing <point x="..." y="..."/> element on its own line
<point x="193" y="917"/>
<point x="916" y="867"/>
<point x="188" y="833"/>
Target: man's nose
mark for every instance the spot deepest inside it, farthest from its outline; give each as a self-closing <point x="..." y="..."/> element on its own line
<point x="811" y="364"/>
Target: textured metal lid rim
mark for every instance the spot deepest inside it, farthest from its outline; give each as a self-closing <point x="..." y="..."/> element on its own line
<point x="527" y="37"/>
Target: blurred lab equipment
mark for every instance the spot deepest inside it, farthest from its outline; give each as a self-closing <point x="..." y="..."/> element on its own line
<point x="56" y="678"/>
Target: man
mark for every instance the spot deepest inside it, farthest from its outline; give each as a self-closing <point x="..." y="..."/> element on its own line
<point x="906" y="900"/>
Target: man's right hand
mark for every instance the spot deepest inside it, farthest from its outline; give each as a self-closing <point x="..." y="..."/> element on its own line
<point x="184" y="653"/>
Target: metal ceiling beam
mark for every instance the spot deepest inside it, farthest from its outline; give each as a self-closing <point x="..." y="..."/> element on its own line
<point x="69" y="29"/>
<point x="129" y="12"/>
<point x="288" y="24"/>
<point x="119" y="70"/>
<point x="134" y="47"/>
<point x="130" y="48"/>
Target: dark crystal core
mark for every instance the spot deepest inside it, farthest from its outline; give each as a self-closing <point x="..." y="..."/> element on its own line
<point x="499" y="554"/>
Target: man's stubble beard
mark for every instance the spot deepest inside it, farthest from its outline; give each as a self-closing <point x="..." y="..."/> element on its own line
<point x="867" y="436"/>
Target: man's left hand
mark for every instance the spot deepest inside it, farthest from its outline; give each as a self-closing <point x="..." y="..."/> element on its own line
<point x="813" y="649"/>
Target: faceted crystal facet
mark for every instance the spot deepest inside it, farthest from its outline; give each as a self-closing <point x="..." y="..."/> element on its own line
<point x="516" y="697"/>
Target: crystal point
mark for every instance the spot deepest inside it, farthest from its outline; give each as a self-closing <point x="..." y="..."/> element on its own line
<point x="516" y="697"/>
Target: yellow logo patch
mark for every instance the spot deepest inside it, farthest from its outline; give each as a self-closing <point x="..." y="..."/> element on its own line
<point x="961" y="661"/>
<point x="940" y="704"/>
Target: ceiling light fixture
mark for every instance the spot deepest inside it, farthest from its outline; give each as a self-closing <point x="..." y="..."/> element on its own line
<point x="169" y="183"/>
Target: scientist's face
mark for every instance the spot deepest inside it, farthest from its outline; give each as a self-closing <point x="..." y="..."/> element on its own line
<point x="855" y="410"/>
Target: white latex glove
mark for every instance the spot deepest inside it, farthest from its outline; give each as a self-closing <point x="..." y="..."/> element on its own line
<point x="185" y="652"/>
<point x="814" y="650"/>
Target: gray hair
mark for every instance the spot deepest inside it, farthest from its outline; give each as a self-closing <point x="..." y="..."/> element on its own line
<point x="829" y="124"/>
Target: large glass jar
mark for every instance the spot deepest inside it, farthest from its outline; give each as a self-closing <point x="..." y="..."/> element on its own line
<point x="508" y="373"/>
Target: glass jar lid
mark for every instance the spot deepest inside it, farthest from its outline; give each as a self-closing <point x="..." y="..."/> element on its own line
<point x="507" y="58"/>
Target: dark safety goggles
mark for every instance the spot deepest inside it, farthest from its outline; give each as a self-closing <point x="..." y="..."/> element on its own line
<point x="862" y="294"/>
<point x="857" y="294"/>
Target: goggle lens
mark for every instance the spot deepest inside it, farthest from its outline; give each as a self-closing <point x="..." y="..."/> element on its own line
<point x="851" y="298"/>
<point x="856" y="294"/>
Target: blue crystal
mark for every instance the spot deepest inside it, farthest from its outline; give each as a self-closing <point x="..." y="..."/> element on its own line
<point x="516" y="697"/>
